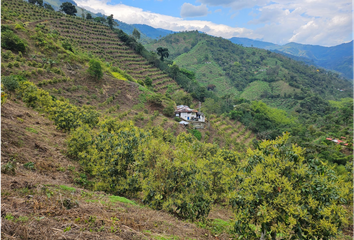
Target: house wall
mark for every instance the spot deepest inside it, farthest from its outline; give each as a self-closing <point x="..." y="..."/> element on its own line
<point x="202" y="119"/>
<point x="187" y="116"/>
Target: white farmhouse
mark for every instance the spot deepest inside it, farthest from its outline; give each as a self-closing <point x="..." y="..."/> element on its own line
<point x="188" y="114"/>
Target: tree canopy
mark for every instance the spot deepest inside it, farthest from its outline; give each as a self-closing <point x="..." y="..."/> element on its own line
<point x="88" y="16"/>
<point x="68" y="8"/>
<point x="283" y="192"/>
<point x="39" y="2"/>
<point x="48" y="7"/>
<point x="110" y="21"/>
<point x="136" y="34"/>
<point x="95" y="69"/>
<point x="162" y="52"/>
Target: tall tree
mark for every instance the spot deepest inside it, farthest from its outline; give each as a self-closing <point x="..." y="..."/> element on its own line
<point x="110" y="21"/>
<point x="136" y="34"/>
<point x="39" y="2"/>
<point x="88" y="16"/>
<point x="48" y="7"/>
<point x="162" y="52"/>
<point x="68" y="8"/>
<point x="100" y="19"/>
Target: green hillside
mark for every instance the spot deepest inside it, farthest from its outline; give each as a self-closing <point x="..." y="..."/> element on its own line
<point x="233" y="69"/>
<point x="91" y="147"/>
<point x="336" y="58"/>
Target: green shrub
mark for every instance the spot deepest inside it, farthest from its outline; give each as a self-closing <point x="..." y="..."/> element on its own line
<point x="16" y="64"/>
<point x="155" y="99"/>
<point x="11" y="83"/>
<point x="10" y="65"/>
<point x="169" y="110"/>
<point x="196" y="134"/>
<point x="148" y="81"/>
<point x="68" y="117"/>
<point x="7" y="55"/>
<point x="29" y="165"/>
<point x="10" y="41"/>
<point x="40" y="71"/>
<point x="34" y="97"/>
<point x="56" y="70"/>
<point x="3" y="95"/>
<point x="95" y="69"/>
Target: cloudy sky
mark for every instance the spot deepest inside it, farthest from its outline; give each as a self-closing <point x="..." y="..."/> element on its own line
<point x="318" y="22"/>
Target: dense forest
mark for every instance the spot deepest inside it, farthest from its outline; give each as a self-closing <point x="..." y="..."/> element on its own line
<point x="110" y="103"/>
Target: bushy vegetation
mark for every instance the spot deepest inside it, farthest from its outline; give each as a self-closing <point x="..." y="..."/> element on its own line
<point x="10" y="41"/>
<point x="95" y="69"/>
<point x="3" y="95"/>
<point x="278" y="189"/>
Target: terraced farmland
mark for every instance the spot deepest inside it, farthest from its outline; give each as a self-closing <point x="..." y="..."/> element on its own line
<point x="96" y="38"/>
<point x="232" y="134"/>
<point x="102" y="41"/>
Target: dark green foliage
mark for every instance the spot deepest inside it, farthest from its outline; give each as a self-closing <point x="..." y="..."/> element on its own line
<point x="11" y="83"/>
<point x="314" y="104"/>
<point x="139" y="48"/>
<point x="188" y="73"/>
<point x="67" y="46"/>
<point x="39" y="2"/>
<point x="169" y="110"/>
<point x="48" y="7"/>
<point x="110" y="21"/>
<point x="9" y="40"/>
<point x="136" y="34"/>
<point x="100" y="19"/>
<point x="148" y="81"/>
<point x="68" y="8"/>
<point x="196" y="134"/>
<point x="88" y="16"/>
<point x="95" y="69"/>
<point x="162" y="52"/>
<point x="155" y="99"/>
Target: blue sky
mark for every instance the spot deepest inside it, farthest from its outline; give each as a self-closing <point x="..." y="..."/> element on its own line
<point x="318" y="22"/>
<point x="218" y="14"/>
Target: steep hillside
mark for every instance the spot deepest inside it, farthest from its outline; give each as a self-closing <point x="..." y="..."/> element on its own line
<point x="338" y="58"/>
<point x="233" y="69"/>
<point x="43" y="194"/>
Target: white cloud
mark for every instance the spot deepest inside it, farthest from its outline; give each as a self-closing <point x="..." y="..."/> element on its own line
<point x="189" y="10"/>
<point x="322" y="22"/>
<point x="133" y="15"/>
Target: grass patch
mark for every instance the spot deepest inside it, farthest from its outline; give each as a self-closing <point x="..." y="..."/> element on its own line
<point x="121" y="199"/>
<point x="31" y="130"/>
<point x="118" y="76"/>
<point x="66" y="188"/>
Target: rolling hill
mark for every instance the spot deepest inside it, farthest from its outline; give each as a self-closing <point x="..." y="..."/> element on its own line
<point x="338" y="58"/>
<point x="249" y="73"/>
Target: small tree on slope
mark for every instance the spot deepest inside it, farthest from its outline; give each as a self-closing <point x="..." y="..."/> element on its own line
<point x="95" y="69"/>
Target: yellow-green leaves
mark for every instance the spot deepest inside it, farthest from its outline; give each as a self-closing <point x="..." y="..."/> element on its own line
<point x="3" y="95"/>
<point x="284" y="193"/>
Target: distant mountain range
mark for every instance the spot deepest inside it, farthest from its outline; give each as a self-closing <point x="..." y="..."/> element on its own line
<point x="338" y="58"/>
<point x="154" y="33"/>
